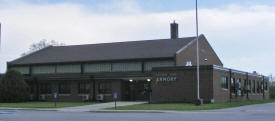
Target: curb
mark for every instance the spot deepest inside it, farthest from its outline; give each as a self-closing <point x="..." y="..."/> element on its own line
<point x="34" y="109"/>
<point x="132" y="111"/>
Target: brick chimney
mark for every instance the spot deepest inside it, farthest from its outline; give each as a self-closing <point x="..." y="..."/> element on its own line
<point x="174" y="30"/>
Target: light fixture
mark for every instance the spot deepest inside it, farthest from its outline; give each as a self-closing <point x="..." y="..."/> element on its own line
<point x="131" y="80"/>
<point x="148" y="80"/>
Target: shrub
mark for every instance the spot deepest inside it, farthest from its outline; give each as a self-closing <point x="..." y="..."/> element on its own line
<point x="13" y="87"/>
<point x="272" y="91"/>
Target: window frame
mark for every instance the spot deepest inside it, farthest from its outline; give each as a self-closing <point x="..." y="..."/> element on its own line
<point x="224" y="83"/>
<point x="66" y="85"/>
<point x="86" y="89"/>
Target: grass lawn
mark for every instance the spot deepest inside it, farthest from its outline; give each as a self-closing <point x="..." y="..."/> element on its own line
<point x="186" y="106"/>
<point x="44" y="104"/>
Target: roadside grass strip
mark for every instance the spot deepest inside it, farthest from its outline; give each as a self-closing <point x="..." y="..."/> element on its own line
<point x="189" y="106"/>
<point x="44" y="104"/>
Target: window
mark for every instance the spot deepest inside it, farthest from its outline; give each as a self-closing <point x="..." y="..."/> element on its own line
<point x="83" y="88"/>
<point x="232" y="88"/>
<point x="249" y="86"/>
<point x="239" y="87"/>
<point x="246" y="86"/>
<point x="43" y="69"/>
<point x="265" y="86"/>
<point x="64" y="88"/>
<point x="130" y="66"/>
<point x="32" y="89"/>
<point x="262" y="87"/>
<point x="253" y="86"/>
<point x="74" y="68"/>
<point x="258" y="87"/>
<point x="97" y="67"/>
<point x="151" y="64"/>
<point x="22" y="70"/>
<point x="224" y="82"/>
<point x="105" y="88"/>
<point x="45" y="88"/>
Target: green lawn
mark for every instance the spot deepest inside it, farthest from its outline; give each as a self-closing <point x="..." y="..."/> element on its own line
<point x="186" y="106"/>
<point x="44" y="104"/>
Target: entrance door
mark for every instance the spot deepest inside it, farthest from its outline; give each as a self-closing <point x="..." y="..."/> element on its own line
<point x="135" y="91"/>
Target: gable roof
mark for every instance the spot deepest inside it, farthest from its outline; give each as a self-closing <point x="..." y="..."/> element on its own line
<point x="160" y="48"/>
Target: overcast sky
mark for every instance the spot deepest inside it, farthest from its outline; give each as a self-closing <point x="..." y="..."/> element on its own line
<point x="240" y="31"/>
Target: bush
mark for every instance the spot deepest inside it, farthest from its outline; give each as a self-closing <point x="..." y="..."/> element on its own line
<point x="13" y="87"/>
<point x="272" y="91"/>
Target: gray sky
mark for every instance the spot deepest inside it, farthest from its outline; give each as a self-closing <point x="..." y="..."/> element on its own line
<point x="241" y="33"/>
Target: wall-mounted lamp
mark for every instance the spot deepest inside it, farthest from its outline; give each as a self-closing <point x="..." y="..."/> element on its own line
<point x="148" y="80"/>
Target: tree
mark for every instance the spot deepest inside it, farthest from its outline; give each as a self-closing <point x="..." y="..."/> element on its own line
<point x="42" y="44"/>
<point x="272" y="91"/>
<point x="13" y="87"/>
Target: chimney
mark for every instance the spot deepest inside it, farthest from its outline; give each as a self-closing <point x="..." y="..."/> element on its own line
<point x="174" y="30"/>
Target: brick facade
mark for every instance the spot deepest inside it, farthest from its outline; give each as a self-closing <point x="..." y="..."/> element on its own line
<point x="184" y="89"/>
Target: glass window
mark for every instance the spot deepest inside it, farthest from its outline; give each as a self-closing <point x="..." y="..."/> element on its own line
<point x="45" y="88"/>
<point x="74" y="68"/>
<point x="105" y="88"/>
<point x="45" y="69"/>
<point x="83" y="88"/>
<point x="262" y="87"/>
<point x="265" y="86"/>
<point x="258" y="87"/>
<point x="151" y="64"/>
<point x="64" y="88"/>
<point x="232" y="85"/>
<point x="22" y="70"/>
<point x="249" y="86"/>
<point x="131" y="66"/>
<point x="98" y="67"/>
<point x="253" y="86"/>
<point x="239" y="87"/>
<point x="32" y="89"/>
<point x="224" y="82"/>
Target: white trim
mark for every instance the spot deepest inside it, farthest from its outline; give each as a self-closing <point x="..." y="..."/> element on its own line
<point x="183" y="48"/>
<point x="216" y="67"/>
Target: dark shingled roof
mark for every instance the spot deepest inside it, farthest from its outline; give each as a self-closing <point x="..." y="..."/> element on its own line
<point x="161" y="48"/>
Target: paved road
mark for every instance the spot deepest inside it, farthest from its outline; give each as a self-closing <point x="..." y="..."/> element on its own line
<point x="261" y="112"/>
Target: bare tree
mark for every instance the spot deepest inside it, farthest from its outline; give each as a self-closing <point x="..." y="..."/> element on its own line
<point x="40" y="45"/>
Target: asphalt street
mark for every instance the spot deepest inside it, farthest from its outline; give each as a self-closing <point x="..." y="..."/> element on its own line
<point x="260" y="112"/>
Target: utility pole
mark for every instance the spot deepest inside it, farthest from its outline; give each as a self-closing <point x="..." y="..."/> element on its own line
<point x="198" y="59"/>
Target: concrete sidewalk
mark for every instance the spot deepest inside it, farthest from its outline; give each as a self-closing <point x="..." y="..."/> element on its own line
<point x="97" y="107"/>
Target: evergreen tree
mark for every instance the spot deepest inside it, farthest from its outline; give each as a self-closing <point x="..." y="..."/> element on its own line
<point x="13" y="87"/>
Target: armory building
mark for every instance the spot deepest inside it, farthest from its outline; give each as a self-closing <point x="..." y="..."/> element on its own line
<point x="164" y="67"/>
